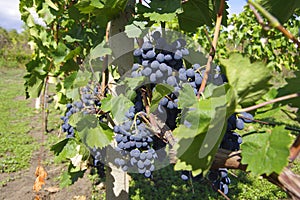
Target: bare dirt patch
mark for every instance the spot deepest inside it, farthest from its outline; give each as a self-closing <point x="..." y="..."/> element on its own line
<point x="19" y="185"/>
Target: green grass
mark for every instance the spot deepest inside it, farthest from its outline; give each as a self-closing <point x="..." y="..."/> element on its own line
<point x="16" y="145"/>
<point x="167" y="184"/>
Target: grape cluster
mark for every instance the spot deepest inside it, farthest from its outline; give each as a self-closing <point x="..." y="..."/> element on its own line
<point x="220" y="179"/>
<point x="97" y="155"/>
<point x="232" y="140"/>
<point x="89" y="104"/>
<point x="157" y="59"/>
<point x="134" y="142"/>
<point x="71" y="109"/>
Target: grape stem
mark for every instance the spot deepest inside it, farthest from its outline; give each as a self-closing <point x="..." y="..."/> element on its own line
<point x="213" y="48"/>
<point x="290" y="96"/>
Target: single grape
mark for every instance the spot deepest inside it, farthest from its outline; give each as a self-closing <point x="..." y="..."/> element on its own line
<point x="153" y="77"/>
<point x="140" y="164"/>
<point x="159" y="74"/>
<point x="135" y="66"/>
<point x="240" y="124"/>
<point x="137" y="52"/>
<point x="178" y="55"/>
<point x="147" y="173"/>
<point x="150" y="54"/>
<point x="184" y="177"/>
<point x="247" y="117"/>
<point x="156" y="35"/>
<point x="185" y="52"/>
<point x="163" y="67"/>
<point x="147" y="46"/>
<point x="155" y="64"/>
<point x="168" y="57"/>
<point x="171" y="80"/>
<point x="164" y="101"/>
<point x="160" y="57"/>
<point x="146" y="71"/>
<point x="190" y="73"/>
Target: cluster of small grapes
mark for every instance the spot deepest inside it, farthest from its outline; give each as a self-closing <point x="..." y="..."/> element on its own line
<point x="231" y="141"/>
<point x="89" y="97"/>
<point x="97" y="155"/>
<point x="71" y="109"/>
<point x="134" y="143"/>
<point x="89" y="104"/>
<point x="158" y="60"/>
<point x="220" y="179"/>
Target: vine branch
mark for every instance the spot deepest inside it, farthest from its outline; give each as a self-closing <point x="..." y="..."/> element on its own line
<point x="213" y="48"/>
<point x="290" y="96"/>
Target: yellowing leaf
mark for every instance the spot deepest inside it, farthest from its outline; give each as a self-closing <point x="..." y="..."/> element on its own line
<point x="41" y="175"/>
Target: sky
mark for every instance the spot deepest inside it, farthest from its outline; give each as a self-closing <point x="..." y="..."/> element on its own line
<point x="10" y="17"/>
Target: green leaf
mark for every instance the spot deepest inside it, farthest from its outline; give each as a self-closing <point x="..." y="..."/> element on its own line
<point x="135" y="29"/>
<point x="161" y="7"/>
<point x="129" y="85"/>
<point x="46" y="14"/>
<point x="119" y="106"/>
<point x="65" y="149"/>
<point x="157" y="17"/>
<point x="199" y="12"/>
<point x="51" y="4"/>
<point x="290" y="88"/>
<point x="69" y="80"/>
<point x="69" y="177"/>
<point x="82" y="79"/>
<point x="106" y="105"/>
<point x="201" y="130"/>
<point x="99" y="51"/>
<point x="94" y="133"/>
<point x="59" y="53"/>
<point x="186" y="97"/>
<point x="65" y="179"/>
<point x="273" y="151"/>
<point x="250" y="80"/>
<point x="97" y="4"/>
<point x="34" y="90"/>
<point x="58" y="147"/>
<point x="281" y="9"/>
<point x="159" y="92"/>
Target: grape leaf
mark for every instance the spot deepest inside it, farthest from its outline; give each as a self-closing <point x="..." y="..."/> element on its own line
<point x="82" y="79"/>
<point x="289" y="88"/>
<point x="68" y="82"/>
<point x="119" y="106"/>
<point x="160" y="91"/>
<point x="281" y="9"/>
<point x="199" y="139"/>
<point x="93" y="133"/>
<point x="166" y="17"/>
<point x="64" y="149"/>
<point x="249" y="79"/>
<point x="270" y="149"/>
<point x="197" y="13"/>
<point x="135" y="29"/>
<point x="161" y="7"/>
<point x="68" y="178"/>
<point x="105" y="103"/>
<point x="99" y="51"/>
<point x="186" y="97"/>
<point x="129" y="85"/>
